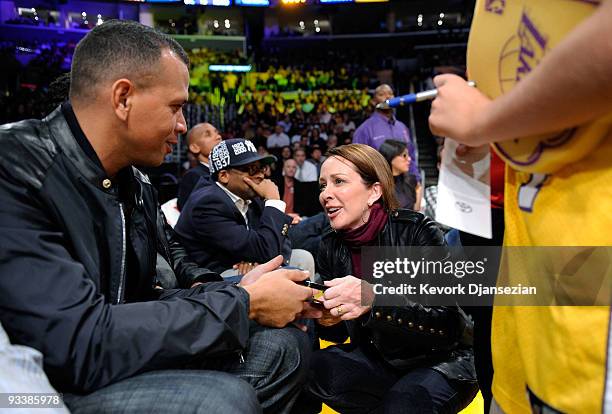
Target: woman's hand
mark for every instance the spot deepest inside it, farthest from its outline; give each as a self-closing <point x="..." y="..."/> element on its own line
<point x="344" y="297"/>
<point x="327" y="319"/>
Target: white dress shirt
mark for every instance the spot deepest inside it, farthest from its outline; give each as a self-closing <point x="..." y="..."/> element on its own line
<point x="307" y="172"/>
<point x="278" y="140"/>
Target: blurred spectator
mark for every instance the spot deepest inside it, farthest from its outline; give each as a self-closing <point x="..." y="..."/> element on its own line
<point x="285" y="122"/>
<point x="306" y="172"/>
<point x="201" y="139"/>
<point x="278" y="139"/>
<point x="332" y="141"/>
<point x="286" y="188"/>
<point x="316" y="139"/>
<point x="383" y="125"/>
<point x="347" y="124"/>
<point x="396" y="154"/>
<point x="324" y="115"/>
<point x="285" y="154"/>
<point x="316" y="157"/>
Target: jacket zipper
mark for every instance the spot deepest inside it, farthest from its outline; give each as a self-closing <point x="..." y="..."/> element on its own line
<point x="123" y="244"/>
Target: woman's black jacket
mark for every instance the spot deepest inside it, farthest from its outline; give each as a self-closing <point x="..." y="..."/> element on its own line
<point x="404" y="336"/>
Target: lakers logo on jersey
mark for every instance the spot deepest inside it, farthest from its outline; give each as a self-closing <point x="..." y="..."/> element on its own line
<point x="495" y="6"/>
<point x="520" y="54"/>
<point x="545" y="154"/>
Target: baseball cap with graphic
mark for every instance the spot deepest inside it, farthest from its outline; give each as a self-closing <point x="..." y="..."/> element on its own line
<point x="235" y="152"/>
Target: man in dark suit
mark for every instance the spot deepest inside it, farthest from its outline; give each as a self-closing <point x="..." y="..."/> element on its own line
<point x="239" y="218"/>
<point x="201" y="140"/>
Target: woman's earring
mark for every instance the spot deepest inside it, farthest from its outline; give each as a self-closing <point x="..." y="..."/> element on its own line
<point x="363" y="214"/>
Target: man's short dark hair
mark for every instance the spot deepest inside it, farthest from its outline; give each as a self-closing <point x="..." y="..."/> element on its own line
<point x="118" y="49"/>
<point x="57" y="92"/>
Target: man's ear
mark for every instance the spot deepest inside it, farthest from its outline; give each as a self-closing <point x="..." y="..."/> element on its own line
<point x="194" y="148"/>
<point x="122" y="94"/>
<point x="223" y="177"/>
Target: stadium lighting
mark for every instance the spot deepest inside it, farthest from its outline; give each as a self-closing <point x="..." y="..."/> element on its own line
<point x="441" y="15"/>
<point x="229" y="68"/>
<point x="440" y="22"/>
<point x="252" y="2"/>
<point x="202" y="2"/>
<point x="317" y="29"/>
<point x="292" y="2"/>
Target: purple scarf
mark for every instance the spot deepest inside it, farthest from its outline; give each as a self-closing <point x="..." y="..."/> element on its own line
<point x="364" y="235"/>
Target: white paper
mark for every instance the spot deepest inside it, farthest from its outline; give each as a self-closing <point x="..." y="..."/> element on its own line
<point x="464" y="190"/>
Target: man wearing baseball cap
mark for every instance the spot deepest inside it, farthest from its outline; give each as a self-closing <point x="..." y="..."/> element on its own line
<point x="240" y="218"/>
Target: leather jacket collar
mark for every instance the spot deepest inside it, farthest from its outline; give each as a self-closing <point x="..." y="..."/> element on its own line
<point x="89" y="169"/>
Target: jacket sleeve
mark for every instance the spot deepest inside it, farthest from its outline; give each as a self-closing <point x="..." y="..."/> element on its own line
<point x="324" y="261"/>
<point x="186" y="271"/>
<point x="403" y="331"/>
<point x="218" y="229"/>
<point x="49" y="302"/>
<point x="337" y="333"/>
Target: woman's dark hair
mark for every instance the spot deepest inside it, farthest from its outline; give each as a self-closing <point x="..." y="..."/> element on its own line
<point x="392" y="148"/>
<point x="372" y="168"/>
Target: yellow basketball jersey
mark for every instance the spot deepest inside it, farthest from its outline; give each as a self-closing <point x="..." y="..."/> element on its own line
<point x="558" y="193"/>
<point x="507" y="40"/>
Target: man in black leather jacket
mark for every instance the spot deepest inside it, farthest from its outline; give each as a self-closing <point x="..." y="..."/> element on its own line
<point x="80" y="228"/>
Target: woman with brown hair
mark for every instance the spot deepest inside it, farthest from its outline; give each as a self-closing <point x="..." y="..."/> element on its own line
<point x="393" y="362"/>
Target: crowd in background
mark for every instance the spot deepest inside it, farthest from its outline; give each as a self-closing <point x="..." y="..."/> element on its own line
<point x="317" y="105"/>
<point x="318" y="101"/>
<point x="28" y="69"/>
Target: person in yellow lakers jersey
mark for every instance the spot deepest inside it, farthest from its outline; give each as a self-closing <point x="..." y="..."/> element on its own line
<point x="543" y="70"/>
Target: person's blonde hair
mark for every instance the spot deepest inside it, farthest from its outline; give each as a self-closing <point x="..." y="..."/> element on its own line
<point x="372" y="167"/>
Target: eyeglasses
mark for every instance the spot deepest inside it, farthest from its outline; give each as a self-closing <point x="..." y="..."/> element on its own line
<point x="251" y="169"/>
